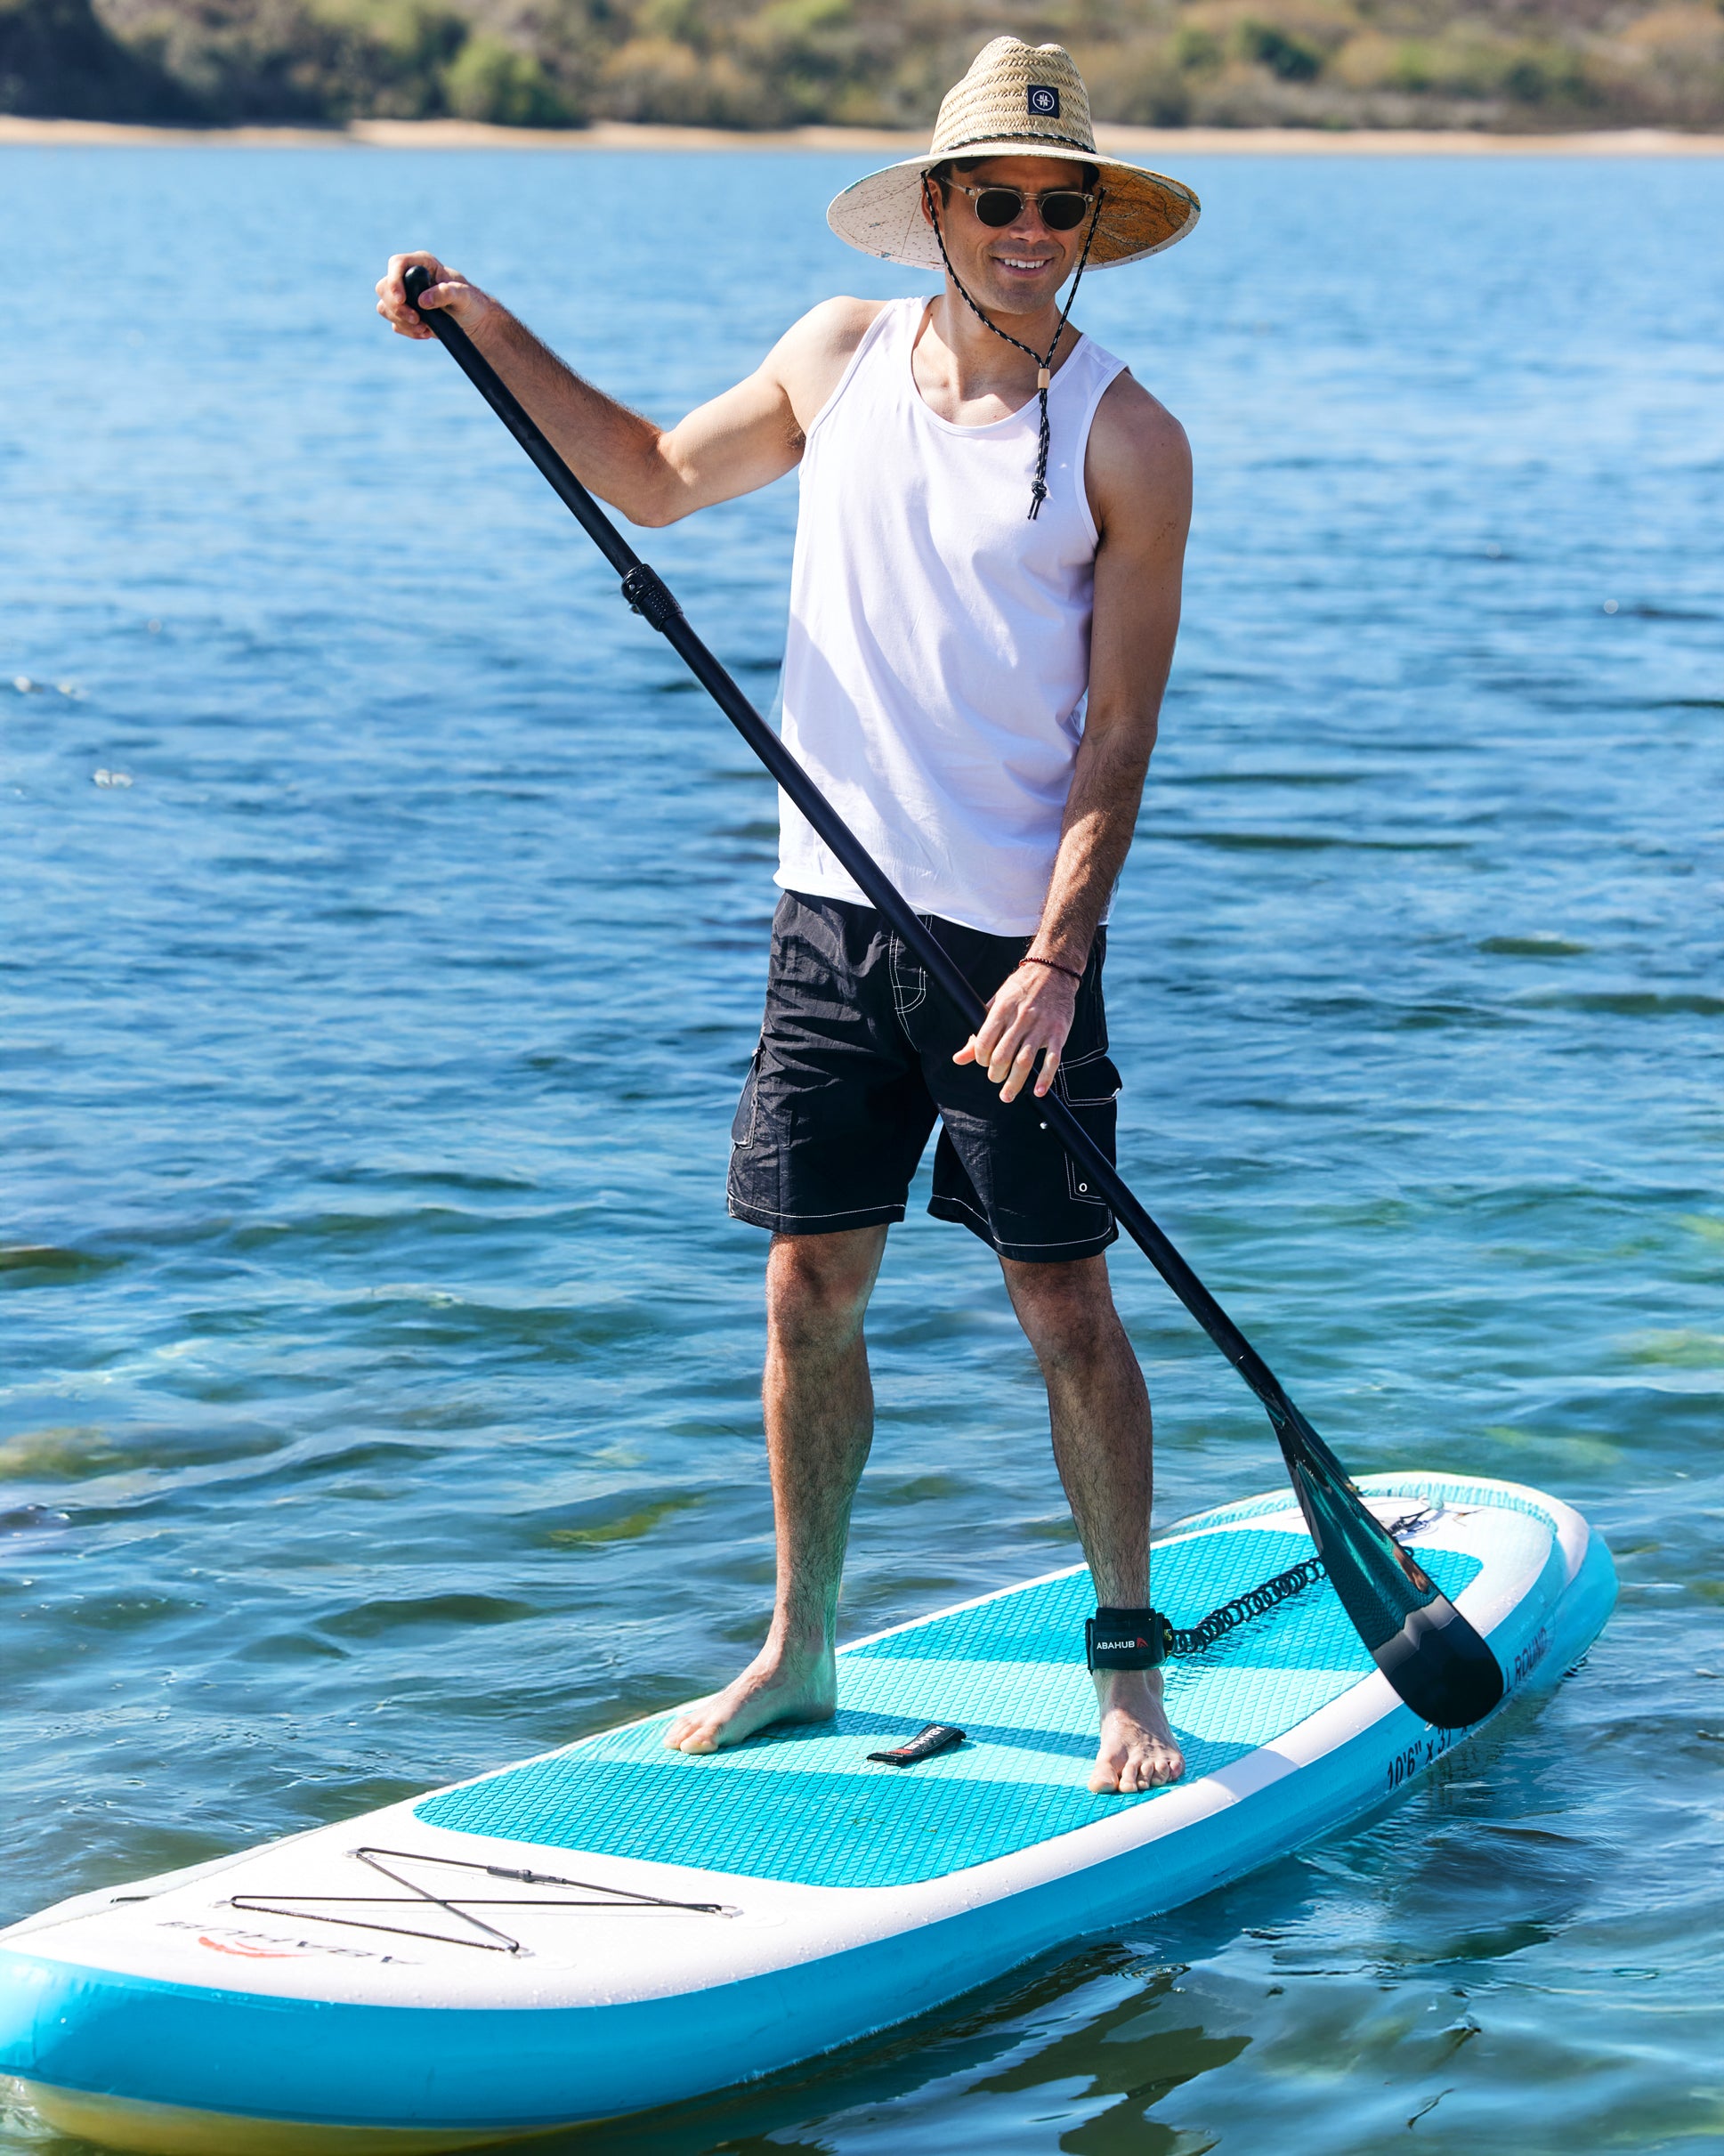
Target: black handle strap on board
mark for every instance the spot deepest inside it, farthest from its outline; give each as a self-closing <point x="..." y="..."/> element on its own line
<point x="1429" y="1653"/>
<point x="928" y="1742"/>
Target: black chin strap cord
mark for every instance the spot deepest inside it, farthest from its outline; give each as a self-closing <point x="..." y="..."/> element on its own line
<point x="1044" y="361"/>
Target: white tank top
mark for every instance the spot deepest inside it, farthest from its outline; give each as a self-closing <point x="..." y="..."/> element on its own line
<point x="938" y="653"/>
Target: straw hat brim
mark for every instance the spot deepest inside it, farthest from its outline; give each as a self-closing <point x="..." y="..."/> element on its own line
<point x="1144" y="211"/>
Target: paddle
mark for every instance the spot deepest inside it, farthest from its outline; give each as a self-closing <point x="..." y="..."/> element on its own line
<point x="1427" y="1650"/>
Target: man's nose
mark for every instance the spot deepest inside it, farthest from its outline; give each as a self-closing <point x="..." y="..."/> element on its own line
<point x="1030" y="220"/>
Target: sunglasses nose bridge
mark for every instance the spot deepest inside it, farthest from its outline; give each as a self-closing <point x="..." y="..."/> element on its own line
<point x="1027" y="213"/>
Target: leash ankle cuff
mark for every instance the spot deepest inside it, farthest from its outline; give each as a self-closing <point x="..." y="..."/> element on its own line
<point x="1127" y="1639"/>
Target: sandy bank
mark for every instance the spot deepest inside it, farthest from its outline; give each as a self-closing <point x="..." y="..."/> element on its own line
<point x="1146" y="142"/>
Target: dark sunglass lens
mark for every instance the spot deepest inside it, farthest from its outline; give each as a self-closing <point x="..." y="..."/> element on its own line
<point x="998" y="205"/>
<point x="1063" y="213"/>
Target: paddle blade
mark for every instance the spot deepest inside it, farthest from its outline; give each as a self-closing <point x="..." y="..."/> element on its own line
<point x="1429" y="1653"/>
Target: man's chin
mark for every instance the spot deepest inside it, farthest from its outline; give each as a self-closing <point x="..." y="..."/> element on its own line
<point x="1001" y="296"/>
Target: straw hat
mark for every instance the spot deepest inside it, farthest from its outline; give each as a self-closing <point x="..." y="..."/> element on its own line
<point x="1017" y="102"/>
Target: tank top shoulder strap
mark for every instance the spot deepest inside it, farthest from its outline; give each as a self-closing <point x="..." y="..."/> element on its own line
<point x="1094" y="370"/>
<point x="883" y="335"/>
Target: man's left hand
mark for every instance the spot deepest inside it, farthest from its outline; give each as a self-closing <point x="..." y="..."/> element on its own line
<point x="1030" y="1016"/>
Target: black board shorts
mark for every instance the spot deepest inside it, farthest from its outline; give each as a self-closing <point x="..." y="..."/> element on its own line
<point x="855" y="1063"/>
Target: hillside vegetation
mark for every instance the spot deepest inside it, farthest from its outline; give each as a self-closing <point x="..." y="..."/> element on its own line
<point x="1513" y="64"/>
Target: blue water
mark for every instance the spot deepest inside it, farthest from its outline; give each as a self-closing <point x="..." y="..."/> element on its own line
<point x="384" y="941"/>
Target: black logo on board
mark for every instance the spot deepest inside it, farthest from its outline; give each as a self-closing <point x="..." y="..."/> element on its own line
<point x="1044" y="101"/>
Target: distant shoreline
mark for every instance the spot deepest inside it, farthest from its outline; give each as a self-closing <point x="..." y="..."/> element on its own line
<point x="1151" y="142"/>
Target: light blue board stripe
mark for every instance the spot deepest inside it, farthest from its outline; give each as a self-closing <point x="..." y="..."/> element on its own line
<point x="804" y="1805"/>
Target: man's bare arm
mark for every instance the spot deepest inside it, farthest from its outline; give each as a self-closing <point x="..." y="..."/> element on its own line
<point x="1138" y="472"/>
<point x="1143" y="497"/>
<point x="744" y="439"/>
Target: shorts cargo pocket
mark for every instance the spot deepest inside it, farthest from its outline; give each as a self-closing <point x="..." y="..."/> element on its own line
<point x="743" y="1121"/>
<point x="1090" y="1088"/>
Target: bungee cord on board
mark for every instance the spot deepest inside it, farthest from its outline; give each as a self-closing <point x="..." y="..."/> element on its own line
<point x="312" y="1908"/>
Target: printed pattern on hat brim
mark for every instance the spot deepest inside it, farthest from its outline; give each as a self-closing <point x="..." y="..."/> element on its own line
<point x="1143" y="212"/>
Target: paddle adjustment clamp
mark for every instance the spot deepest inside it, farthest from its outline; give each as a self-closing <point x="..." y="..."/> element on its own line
<point x="1127" y="1639"/>
<point x="650" y="596"/>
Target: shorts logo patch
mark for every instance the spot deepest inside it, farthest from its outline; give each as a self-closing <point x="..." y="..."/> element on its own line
<point x="1044" y="101"/>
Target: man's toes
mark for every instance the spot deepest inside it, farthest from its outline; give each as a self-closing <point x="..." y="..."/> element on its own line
<point x="691" y="1733"/>
<point x="1147" y="1766"/>
<point x="1157" y="1768"/>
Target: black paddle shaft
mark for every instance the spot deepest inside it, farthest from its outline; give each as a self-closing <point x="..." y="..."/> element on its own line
<point x="1429" y="1653"/>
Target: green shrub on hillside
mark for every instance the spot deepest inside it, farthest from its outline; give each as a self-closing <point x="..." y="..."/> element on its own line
<point x="1287" y="57"/>
<point x="491" y="80"/>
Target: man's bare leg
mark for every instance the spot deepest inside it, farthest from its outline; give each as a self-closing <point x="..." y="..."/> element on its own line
<point x="820" y="1422"/>
<point x="1099" y="1408"/>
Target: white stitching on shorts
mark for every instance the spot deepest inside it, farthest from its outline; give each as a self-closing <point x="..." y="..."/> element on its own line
<point x="894" y="951"/>
<point x="1017" y="1241"/>
<point x="761" y="1216"/>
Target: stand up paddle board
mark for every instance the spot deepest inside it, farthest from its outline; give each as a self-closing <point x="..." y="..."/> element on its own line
<point x="616" y="1925"/>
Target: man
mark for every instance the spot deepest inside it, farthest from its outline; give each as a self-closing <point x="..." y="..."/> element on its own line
<point x="992" y="526"/>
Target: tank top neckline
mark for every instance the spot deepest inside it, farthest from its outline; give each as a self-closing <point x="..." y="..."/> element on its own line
<point x="950" y="426"/>
<point x="937" y="654"/>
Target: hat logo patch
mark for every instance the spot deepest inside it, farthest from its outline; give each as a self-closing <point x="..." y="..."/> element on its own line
<point x="1044" y="101"/>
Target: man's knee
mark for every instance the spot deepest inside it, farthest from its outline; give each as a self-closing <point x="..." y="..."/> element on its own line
<point x="817" y="1286"/>
<point x="1066" y="1309"/>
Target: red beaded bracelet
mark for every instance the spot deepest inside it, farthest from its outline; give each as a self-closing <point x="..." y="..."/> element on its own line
<point x="1055" y="963"/>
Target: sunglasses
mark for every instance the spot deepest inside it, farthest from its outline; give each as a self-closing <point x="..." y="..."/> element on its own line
<point x="1063" y="208"/>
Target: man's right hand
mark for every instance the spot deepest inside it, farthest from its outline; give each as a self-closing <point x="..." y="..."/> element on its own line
<point x="465" y="303"/>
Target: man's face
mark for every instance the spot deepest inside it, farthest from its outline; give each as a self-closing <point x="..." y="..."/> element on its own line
<point x="1016" y="268"/>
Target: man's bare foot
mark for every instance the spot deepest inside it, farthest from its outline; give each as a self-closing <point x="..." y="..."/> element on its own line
<point x="777" y="1686"/>
<point x="1139" y="1750"/>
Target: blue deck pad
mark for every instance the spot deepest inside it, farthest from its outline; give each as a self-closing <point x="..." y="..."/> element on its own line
<point x="803" y="1804"/>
